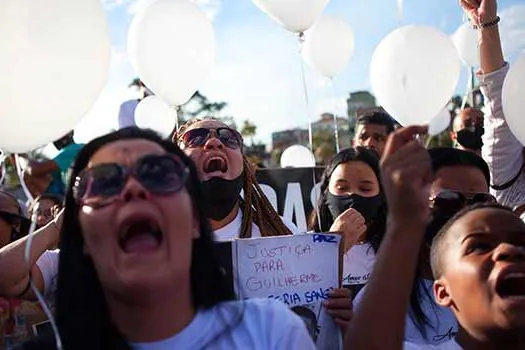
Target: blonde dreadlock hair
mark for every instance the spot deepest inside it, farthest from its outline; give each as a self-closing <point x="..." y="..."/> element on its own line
<point x="256" y="208"/>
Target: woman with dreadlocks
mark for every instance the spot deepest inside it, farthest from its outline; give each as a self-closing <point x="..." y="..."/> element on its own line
<point x="216" y="150"/>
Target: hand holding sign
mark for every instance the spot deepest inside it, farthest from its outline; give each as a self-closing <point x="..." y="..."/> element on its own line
<point x="351" y="224"/>
<point x="406" y="175"/>
<point x="339" y="306"/>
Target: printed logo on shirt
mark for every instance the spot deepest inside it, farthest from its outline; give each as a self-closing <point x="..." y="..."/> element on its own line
<point x="356" y="279"/>
<point x="451" y="334"/>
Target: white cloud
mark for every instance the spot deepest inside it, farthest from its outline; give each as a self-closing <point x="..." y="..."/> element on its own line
<point x="512" y="29"/>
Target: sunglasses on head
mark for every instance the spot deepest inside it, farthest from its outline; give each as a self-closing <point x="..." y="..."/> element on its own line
<point x="454" y="201"/>
<point x="102" y="184"/>
<point x="198" y="137"/>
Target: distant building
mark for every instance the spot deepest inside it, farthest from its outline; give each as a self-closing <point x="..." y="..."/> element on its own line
<point x="326" y="123"/>
<point x="286" y="138"/>
<point x="359" y="100"/>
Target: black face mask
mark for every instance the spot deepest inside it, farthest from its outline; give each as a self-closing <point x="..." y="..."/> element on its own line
<point x="366" y="206"/>
<point x="223" y="195"/>
<point x="470" y="137"/>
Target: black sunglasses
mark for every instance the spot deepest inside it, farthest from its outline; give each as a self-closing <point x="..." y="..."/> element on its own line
<point x="454" y="201"/>
<point x="101" y="184"/>
<point x="198" y="137"/>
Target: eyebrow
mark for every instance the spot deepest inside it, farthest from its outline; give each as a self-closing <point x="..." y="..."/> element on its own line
<point x="475" y="235"/>
<point x="509" y="236"/>
<point x="368" y="182"/>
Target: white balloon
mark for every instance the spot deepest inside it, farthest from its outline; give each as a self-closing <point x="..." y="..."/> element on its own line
<point x="153" y="113"/>
<point x="54" y="62"/>
<point x="297" y="156"/>
<point x="329" y="45"/>
<point x="414" y="73"/>
<point x="513" y="101"/>
<point x="171" y="44"/>
<point x="439" y="123"/>
<point x="466" y="41"/>
<point x="294" y="15"/>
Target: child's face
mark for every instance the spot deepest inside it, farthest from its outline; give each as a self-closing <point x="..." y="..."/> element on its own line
<point x="484" y="272"/>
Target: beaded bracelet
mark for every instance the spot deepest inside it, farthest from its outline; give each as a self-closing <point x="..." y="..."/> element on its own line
<point x="486" y="25"/>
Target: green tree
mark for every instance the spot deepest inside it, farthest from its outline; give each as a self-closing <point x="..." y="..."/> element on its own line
<point x="248" y="130"/>
<point x="324" y="146"/>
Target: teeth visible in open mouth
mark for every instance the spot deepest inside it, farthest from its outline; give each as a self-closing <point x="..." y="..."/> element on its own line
<point x="214" y="164"/>
<point x="140" y="235"/>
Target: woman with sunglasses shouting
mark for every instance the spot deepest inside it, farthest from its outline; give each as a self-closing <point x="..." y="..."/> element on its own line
<point x="138" y="268"/>
<point x="461" y="178"/>
<point x="217" y="151"/>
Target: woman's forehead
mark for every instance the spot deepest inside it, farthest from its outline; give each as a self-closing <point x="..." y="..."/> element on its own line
<point x="125" y="152"/>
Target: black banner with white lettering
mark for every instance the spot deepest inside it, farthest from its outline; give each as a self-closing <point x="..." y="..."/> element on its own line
<point x="291" y="191"/>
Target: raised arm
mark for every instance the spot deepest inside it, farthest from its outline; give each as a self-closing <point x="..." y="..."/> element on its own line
<point x="40" y="168"/>
<point x="15" y="271"/>
<point x="379" y="320"/>
<point x="501" y="149"/>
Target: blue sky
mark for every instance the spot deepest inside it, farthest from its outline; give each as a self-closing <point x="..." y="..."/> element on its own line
<point x="257" y="67"/>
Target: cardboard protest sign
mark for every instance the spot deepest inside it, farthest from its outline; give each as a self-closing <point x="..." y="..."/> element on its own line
<point x="298" y="270"/>
<point x="292" y="191"/>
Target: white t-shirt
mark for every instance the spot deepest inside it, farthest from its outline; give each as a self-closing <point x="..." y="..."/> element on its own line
<point x="48" y="265"/>
<point x="449" y="345"/>
<point x="231" y="231"/>
<point x="48" y="261"/>
<point x="250" y="324"/>
<point x="358" y="263"/>
<point x="443" y="325"/>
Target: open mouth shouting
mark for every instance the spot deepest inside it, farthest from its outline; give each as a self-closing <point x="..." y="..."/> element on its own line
<point x="140" y="234"/>
<point x="510" y="284"/>
<point x="215" y="164"/>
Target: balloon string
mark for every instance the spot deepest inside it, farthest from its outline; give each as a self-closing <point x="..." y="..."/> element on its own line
<point x="400" y="12"/>
<point x="308" y="113"/>
<point x="336" y="126"/>
<point x="3" y="167"/>
<point x="39" y="296"/>
<point x="179" y="116"/>
<point x="20" y="173"/>
<point x="469" y="90"/>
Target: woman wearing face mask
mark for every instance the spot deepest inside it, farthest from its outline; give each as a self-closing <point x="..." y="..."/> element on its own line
<point x="352" y="203"/>
<point x="216" y="150"/>
<point x="137" y="205"/>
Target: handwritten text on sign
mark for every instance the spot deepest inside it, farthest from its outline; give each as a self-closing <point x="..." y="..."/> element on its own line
<point x="295" y="269"/>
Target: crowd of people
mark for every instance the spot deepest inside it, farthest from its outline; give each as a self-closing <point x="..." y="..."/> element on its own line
<point x="125" y="231"/>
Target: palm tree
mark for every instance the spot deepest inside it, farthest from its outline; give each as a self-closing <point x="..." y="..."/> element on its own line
<point x="248" y="130"/>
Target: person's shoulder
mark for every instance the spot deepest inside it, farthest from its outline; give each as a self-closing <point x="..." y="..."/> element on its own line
<point x="272" y="322"/>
